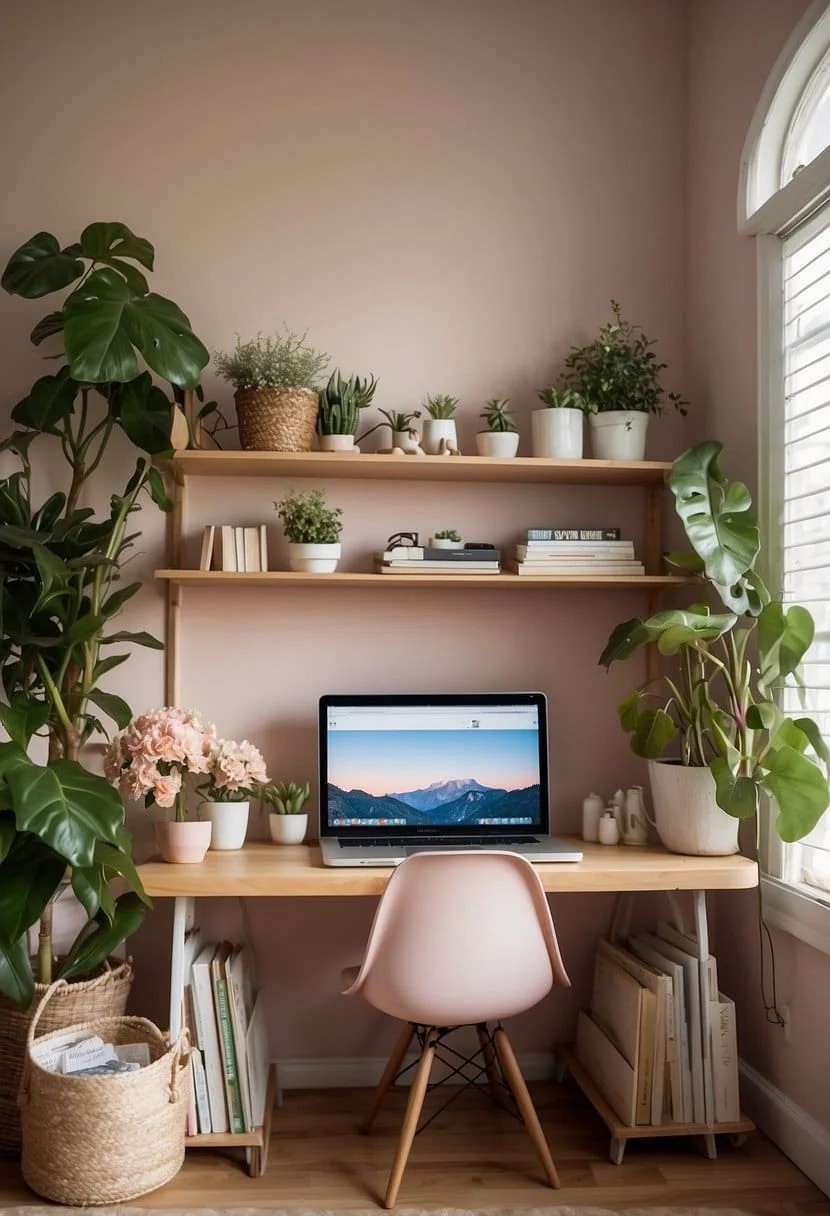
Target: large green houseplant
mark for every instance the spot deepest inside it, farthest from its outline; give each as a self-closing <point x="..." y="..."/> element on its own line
<point x="61" y="586"/>
<point x="718" y="706"/>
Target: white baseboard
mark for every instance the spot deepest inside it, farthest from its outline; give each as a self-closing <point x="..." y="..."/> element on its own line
<point x="798" y="1134"/>
<point x="363" y="1073"/>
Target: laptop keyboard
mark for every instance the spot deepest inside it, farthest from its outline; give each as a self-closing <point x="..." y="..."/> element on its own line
<point x="411" y="842"/>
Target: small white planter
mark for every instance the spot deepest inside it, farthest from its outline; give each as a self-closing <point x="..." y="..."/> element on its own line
<point x="441" y="542"/>
<point x="338" y="443"/>
<point x="499" y="444"/>
<point x="687" y="816"/>
<point x="619" y="435"/>
<point x="436" y="429"/>
<point x="408" y="441"/>
<point x="183" y="843"/>
<point x="314" y="559"/>
<point x="230" y="823"/>
<point x="287" y="829"/>
<point x="557" y="433"/>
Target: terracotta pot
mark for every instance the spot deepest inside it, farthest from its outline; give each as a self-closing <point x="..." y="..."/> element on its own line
<point x="183" y="843"/>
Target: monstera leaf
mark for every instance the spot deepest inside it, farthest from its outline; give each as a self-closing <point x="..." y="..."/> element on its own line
<point x="41" y="266"/>
<point x="50" y="400"/>
<point x="144" y="413"/>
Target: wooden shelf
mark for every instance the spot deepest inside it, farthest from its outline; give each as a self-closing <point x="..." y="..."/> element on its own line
<point x="288" y="578"/>
<point x="371" y="467"/>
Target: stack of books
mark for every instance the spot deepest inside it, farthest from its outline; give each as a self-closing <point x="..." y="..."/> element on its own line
<point x="414" y="559"/>
<point x="237" y="549"/>
<point x="575" y="551"/>
<point x="646" y="1043"/>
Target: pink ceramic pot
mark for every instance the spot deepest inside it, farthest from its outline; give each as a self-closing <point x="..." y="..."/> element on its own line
<point x="183" y="842"/>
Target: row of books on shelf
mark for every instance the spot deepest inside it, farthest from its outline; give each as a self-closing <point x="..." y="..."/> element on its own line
<point x="229" y="1052"/>
<point x="233" y="548"/>
<point x="647" y="1043"/>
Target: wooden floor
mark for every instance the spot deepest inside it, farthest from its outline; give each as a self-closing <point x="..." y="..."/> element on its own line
<point x="474" y="1156"/>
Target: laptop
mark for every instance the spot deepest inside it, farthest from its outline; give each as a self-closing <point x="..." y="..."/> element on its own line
<point x="401" y="774"/>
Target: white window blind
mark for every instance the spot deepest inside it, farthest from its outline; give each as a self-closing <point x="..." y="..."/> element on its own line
<point x="805" y="554"/>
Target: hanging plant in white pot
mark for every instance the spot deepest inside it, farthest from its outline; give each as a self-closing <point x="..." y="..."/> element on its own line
<point x="439" y="433"/>
<point x="340" y="404"/>
<point x="287" y="821"/>
<point x="312" y="530"/>
<point x="557" y="429"/>
<point x="236" y="769"/>
<point x="501" y="439"/>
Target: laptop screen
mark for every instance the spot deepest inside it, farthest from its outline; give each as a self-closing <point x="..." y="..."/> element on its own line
<point x="415" y="764"/>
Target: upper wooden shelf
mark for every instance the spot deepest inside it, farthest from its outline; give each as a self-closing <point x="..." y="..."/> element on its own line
<point x="528" y="469"/>
<point x="288" y="578"/>
<point x="268" y="869"/>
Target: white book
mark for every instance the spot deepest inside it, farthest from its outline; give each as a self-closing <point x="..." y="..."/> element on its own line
<point x="727" y="1097"/>
<point x="263" y="547"/>
<point x="206" y="555"/>
<point x="238" y="969"/>
<point x="207" y="1037"/>
<point x="612" y="549"/>
<point x="200" y="1087"/>
<point x="224" y="548"/>
<point x="181" y="977"/>
<point x="239" y="548"/>
<point x="251" y="545"/>
<point x="258" y="1060"/>
<point x="708" y="982"/>
<point x="586" y="568"/>
<point x="680" y="1070"/>
<point x="702" y="1109"/>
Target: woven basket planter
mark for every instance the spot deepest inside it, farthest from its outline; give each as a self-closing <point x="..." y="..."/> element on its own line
<point x="105" y="1139"/>
<point x="276" y="419"/>
<point x="104" y="996"/>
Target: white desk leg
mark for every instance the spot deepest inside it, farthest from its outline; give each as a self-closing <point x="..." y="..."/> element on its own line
<point x="184" y="916"/>
<point x="706" y="997"/>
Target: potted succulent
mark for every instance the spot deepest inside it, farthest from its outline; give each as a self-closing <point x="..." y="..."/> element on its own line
<point x="404" y="435"/>
<point x="439" y="427"/>
<point x="287" y="821"/>
<point x="619" y="376"/>
<point x="448" y="539"/>
<point x="557" y="429"/>
<point x="312" y="530"/>
<point x="340" y="404"/>
<point x="718" y="709"/>
<point x="236" y="770"/>
<point x="501" y="439"/>
<point x="276" y="399"/>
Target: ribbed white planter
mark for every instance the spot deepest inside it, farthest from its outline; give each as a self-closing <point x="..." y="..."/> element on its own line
<point x="618" y="435"/>
<point x="230" y="823"/>
<point x="287" y="829"/>
<point x="498" y="444"/>
<point x="557" y="433"/>
<point x="436" y="429"/>
<point x="688" y="818"/>
<point x="314" y="559"/>
<point x="338" y="443"/>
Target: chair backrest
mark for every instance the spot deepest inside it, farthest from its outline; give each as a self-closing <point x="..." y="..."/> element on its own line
<point x="461" y="937"/>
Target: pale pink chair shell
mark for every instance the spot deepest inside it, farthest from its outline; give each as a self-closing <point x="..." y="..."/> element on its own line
<point x="460" y="938"/>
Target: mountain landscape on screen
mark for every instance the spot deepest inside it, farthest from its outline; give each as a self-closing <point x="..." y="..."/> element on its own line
<point x="455" y="802"/>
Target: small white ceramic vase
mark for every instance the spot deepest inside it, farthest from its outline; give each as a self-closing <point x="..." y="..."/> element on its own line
<point x="499" y="444"/>
<point x="338" y="443"/>
<point x="407" y="441"/>
<point x="618" y="435"/>
<point x="183" y="843"/>
<point x="557" y="433"/>
<point x="230" y="823"/>
<point x="287" y="829"/>
<point x="443" y="542"/>
<point x="686" y="812"/>
<point x="635" y="817"/>
<point x="609" y="833"/>
<point x="436" y="429"/>
<point x="314" y="559"/>
<point x="592" y="809"/>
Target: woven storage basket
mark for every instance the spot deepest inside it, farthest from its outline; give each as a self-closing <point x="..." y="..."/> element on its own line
<point x="89" y="1140"/>
<point x="104" y="996"/>
<point x="276" y="419"/>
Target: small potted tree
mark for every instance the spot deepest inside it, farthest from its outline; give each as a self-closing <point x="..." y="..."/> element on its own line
<point x="619" y="376"/>
<point x="276" y="399"/>
<point x="501" y="439"/>
<point x="340" y="404"/>
<point x="312" y="530"/>
<point x="236" y="769"/>
<point x="287" y="821"/>
<point x="557" y="429"/>
<point x="440" y="425"/>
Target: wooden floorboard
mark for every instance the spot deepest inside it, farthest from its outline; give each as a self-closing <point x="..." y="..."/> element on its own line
<point x="473" y="1156"/>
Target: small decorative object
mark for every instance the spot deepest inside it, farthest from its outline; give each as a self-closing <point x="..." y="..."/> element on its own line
<point x="440" y="425"/>
<point x="618" y="375"/>
<point x="340" y="404"/>
<point x="557" y="429"/>
<point x="448" y="539"/>
<point x="287" y="822"/>
<point x="406" y="441"/>
<point x="276" y="401"/>
<point x="617" y="804"/>
<point x="635" y="817"/>
<point x="609" y="832"/>
<point x="312" y="530"/>
<point x="592" y="808"/>
<point x="149" y="760"/>
<point x="236" y="769"/>
<point x="501" y="439"/>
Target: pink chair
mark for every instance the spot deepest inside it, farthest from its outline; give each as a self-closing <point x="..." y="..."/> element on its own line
<point x="458" y="939"/>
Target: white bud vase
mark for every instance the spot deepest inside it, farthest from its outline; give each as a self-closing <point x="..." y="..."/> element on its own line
<point x="230" y="823"/>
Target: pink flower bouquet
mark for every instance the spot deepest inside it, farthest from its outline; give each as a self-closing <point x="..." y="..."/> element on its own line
<point x="149" y="758"/>
<point x="235" y="771"/>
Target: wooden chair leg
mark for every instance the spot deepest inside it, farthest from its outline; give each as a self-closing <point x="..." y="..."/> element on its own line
<point x="491" y="1064"/>
<point x="413" y="1113"/>
<point x="514" y="1078"/>
<point x="389" y="1074"/>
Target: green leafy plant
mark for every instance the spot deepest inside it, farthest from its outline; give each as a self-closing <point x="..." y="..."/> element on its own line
<point x="448" y="534"/>
<point x="498" y="416"/>
<point x="341" y="402"/>
<point x="720" y="706"/>
<point x="563" y="396"/>
<point x="285" y="797"/>
<point x="284" y="361"/>
<point x="440" y="406"/>
<point x="61" y="586"/>
<point x="398" y="421"/>
<point x="619" y="370"/>
<point x="307" y="520"/>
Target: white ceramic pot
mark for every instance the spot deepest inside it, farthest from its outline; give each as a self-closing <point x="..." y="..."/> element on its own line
<point x="687" y="816"/>
<point x="500" y="444"/>
<point x="338" y="443"/>
<point x="183" y="843"/>
<point x="441" y="542"/>
<point x="230" y="823"/>
<point x="618" y="435"/>
<point x="436" y="429"/>
<point x="287" y="829"/>
<point x="408" y="441"/>
<point x="314" y="559"/>
<point x="557" y="433"/>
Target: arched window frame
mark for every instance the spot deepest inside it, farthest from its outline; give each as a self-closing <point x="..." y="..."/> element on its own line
<point x="770" y="211"/>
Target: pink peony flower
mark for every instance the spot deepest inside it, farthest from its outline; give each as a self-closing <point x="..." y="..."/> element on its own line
<point x="166" y="789"/>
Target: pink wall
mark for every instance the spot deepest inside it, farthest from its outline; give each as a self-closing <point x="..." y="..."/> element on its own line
<point x="732" y="47"/>
<point x="444" y="194"/>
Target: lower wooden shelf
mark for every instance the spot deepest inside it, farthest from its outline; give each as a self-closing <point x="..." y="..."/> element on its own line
<point x="345" y="578"/>
<point x="621" y="1132"/>
<point x="255" y="1141"/>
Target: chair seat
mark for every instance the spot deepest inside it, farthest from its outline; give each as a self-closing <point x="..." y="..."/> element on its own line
<point x="347" y="977"/>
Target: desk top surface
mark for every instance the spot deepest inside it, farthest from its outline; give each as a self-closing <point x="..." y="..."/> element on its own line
<point x="280" y="870"/>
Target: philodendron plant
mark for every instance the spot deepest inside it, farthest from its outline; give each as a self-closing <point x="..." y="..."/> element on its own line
<point x="719" y="706"/>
